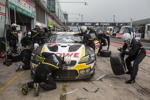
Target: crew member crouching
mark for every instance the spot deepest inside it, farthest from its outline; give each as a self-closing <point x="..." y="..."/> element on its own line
<point x="44" y="74"/>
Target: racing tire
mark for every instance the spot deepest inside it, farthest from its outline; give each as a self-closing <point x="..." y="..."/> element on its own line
<point x="105" y="53"/>
<point x="117" y="64"/>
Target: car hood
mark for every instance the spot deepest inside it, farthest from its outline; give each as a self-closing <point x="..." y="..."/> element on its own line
<point x="74" y="50"/>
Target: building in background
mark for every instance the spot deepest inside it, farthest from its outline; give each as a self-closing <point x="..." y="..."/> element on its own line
<point x="66" y="18"/>
<point x="143" y="26"/>
<point x="21" y="12"/>
<point x="51" y="5"/>
<point x="2" y="17"/>
<point x="55" y="8"/>
<point x="27" y="13"/>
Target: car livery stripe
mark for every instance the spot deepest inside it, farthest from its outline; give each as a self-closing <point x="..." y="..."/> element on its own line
<point x="80" y="67"/>
<point x="50" y="65"/>
<point x="82" y="52"/>
<point x="43" y="50"/>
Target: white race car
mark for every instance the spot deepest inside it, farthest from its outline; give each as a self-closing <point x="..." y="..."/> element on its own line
<point x="80" y="60"/>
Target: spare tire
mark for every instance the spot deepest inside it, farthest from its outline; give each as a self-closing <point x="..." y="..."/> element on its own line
<point x="117" y="64"/>
<point x="105" y="53"/>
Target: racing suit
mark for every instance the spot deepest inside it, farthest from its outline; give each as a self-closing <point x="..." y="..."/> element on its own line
<point x="24" y="56"/>
<point x="45" y="72"/>
<point x="88" y="40"/>
<point x="135" y="53"/>
<point x="103" y="38"/>
<point x="37" y="35"/>
<point x="12" y="39"/>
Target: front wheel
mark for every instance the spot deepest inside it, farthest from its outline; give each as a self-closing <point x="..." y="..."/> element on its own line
<point x="91" y="76"/>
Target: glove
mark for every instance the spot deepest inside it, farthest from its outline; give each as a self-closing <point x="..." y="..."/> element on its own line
<point x="126" y="52"/>
<point x="120" y="49"/>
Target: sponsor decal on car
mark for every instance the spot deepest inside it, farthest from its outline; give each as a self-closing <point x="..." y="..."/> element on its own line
<point x="74" y="55"/>
<point x="53" y="44"/>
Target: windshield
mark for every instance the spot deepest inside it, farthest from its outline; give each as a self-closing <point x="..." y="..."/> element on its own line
<point x="65" y="38"/>
<point x="74" y="29"/>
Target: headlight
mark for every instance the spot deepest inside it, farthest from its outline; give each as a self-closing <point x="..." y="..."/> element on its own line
<point x="84" y="59"/>
<point x="85" y="71"/>
<point x="82" y="71"/>
<point x="88" y="70"/>
<point x="87" y="59"/>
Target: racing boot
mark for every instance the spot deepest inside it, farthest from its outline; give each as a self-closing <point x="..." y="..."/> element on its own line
<point x="128" y="72"/>
<point x="36" y="89"/>
<point x="25" y="89"/>
<point x="19" y="68"/>
<point x="130" y="81"/>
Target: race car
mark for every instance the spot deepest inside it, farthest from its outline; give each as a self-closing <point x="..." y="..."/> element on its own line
<point x="81" y="59"/>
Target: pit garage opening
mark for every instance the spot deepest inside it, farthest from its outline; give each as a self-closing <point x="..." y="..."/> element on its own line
<point x="21" y="19"/>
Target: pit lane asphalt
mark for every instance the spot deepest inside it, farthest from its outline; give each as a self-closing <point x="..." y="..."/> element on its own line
<point x="109" y="88"/>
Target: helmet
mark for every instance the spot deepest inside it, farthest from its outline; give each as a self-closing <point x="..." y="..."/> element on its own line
<point x="83" y="28"/>
<point x="36" y="45"/>
<point x="29" y="33"/>
<point x="13" y="25"/>
<point x="126" y="36"/>
<point x="38" y="25"/>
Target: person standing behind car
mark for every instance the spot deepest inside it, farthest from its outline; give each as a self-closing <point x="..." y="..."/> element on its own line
<point x="104" y="41"/>
<point x="84" y="33"/>
<point x="136" y="53"/>
<point x="86" y="36"/>
<point x="37" y="34"/>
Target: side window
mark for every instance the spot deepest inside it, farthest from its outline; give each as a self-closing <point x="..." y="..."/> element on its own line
<point x="148" y="28"/>
<point x="110" y="29"/>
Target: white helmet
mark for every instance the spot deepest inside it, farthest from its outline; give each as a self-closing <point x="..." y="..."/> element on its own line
<point x="14" y="24"/>
<point x="29" y="33"/>
<point x="126" y="36"/>
<point x="38" y="25"/>
<point x="83" y="28"/>
<point x="36" y="45"/>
